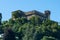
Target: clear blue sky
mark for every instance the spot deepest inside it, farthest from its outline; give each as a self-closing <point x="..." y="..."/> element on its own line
<point x="7" y="6"/>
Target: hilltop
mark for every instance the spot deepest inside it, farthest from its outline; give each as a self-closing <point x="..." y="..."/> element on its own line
<point x="32" y="25"/>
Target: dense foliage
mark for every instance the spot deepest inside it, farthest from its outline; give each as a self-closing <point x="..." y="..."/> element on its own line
<point x="33" y="29"/>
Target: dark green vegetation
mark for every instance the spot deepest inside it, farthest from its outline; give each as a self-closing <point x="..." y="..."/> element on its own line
<point x="33" y="29"/>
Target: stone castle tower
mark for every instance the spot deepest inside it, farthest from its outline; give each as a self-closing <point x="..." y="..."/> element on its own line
<point x="47" y="13"/>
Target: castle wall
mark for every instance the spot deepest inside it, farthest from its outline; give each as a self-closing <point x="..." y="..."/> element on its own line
<point x="28" y="17"/>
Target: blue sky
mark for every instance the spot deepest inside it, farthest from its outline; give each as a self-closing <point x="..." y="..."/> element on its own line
<point x="7" y="6"/>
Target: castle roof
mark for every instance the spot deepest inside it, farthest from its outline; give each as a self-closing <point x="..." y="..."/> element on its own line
<point x="34" y="12"/>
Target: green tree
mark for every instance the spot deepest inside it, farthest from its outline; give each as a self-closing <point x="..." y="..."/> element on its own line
<point x="48" y="38"/>
<point x="17" y="14"/>
<point x="35" y="20"/>
<point x="8" y="34"/>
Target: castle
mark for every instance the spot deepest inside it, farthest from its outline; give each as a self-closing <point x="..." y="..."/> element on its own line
<point x="29" y="14"/>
